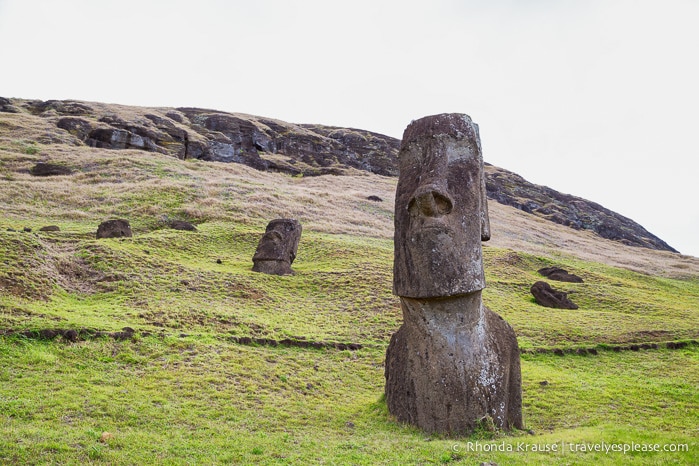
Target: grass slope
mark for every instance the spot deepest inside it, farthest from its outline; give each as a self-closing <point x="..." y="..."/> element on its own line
<point x="184" y="391"/>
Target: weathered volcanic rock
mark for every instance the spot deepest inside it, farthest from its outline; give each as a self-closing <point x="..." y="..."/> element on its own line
<point x="78" y="127"/>
<point x="277" y="248"/>
<point x="114" y="229"/>
<point x="546" y="296"/>
<point x="49" y="169"/>
<point x="50" y="228"/>
<point x="559" y="274"/>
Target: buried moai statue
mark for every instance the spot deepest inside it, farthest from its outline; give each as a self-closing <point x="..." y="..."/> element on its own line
<point x="277" y="248"/>
<point x="453" y="363"/>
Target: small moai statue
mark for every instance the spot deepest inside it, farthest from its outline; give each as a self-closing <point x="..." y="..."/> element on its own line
<point x="277" y="248"/>
<point x="117" y="228"/>
<point x="453" y="364"/>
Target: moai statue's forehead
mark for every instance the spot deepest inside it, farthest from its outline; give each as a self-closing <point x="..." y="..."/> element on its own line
<point x="441" y="214"/>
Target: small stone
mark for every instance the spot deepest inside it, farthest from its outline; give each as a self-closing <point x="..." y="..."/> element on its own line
<point x="219" y="261"/>
<point x="50" y="228"/>
<point x="181" y="225"/>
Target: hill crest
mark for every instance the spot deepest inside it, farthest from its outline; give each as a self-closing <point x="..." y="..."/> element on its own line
<point x="273" y="145"/>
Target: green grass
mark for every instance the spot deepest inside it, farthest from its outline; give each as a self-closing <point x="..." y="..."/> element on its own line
<point x="188" y="394"/>
<point x="182" y="391"/>
<point x="183" y="401"/>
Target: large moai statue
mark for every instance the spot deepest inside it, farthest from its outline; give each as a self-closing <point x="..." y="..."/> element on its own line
<point x="453" y="363"/>
<point x="277" y="248"/>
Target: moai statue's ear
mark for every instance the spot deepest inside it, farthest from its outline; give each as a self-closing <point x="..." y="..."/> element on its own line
<point x="485" y="219"/>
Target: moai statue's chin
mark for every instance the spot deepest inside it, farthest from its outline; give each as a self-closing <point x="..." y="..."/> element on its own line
<point x="277" y="248"/>
<point x="453" y="362"/>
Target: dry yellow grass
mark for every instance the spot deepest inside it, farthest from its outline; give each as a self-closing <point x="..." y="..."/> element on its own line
<point x="107" y="183"/>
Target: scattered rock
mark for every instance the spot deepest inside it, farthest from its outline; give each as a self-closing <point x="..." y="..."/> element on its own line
<point x="114" y="229"/>
<point x="50" y="228"/>
<point x="49" y="169"/>
<point x="375" y="198"/>
<point x="71" y="335"/>
<point x="27" y="230"/>
<point x="219" y="261"/>
<point x="181" y="225"/>
<point x="546" y="296"/>
<point x="544" y="383"/>
<point x="559" y="274"/>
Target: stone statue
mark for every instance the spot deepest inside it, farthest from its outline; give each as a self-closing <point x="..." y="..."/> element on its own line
<point x="453" y="363"/>
<point x="117" y="228"/>
<point x="277" y="248"/>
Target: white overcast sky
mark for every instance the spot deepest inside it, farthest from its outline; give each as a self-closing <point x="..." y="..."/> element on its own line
<point x="596" y="98"/>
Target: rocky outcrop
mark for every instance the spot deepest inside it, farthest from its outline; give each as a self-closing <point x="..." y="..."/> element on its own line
<point x="511" y="189"/>
<point x="261" y="143"/>
<point x="309" y="150"/>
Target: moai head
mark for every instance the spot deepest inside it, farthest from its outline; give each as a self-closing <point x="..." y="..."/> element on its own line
<point x="441" y="212"/>
<point x="277" y="248"/>
<point x="114" y="229"/>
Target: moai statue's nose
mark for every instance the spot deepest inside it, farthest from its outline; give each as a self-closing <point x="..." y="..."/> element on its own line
<point x="430" y="201"/>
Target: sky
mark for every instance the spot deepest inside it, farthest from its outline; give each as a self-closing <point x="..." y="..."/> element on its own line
<point x="595" y="98"/>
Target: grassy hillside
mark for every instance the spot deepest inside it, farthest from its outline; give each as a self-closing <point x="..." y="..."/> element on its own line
<point x="226" y="366"/>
